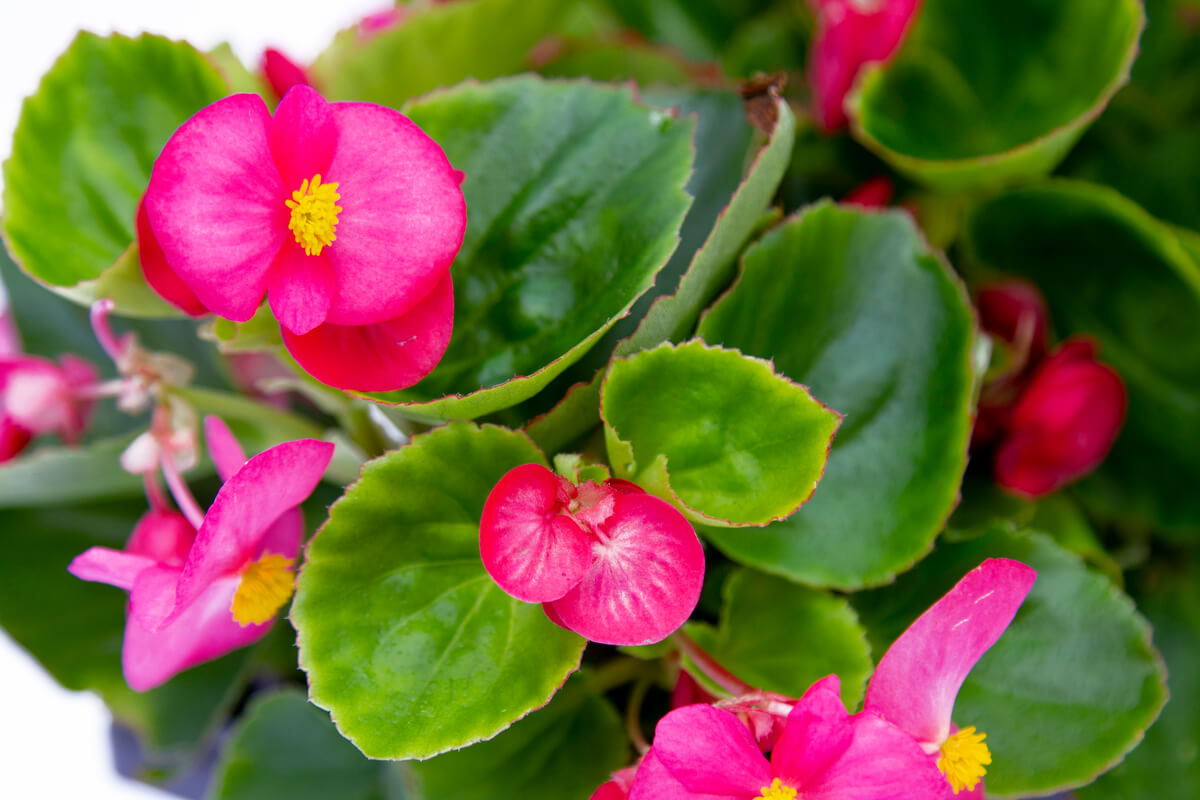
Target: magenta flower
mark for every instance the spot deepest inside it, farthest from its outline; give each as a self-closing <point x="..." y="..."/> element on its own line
<point x="1063" y="423"/>
<point x="38" y="397"/>
<point x="703" y="752"/>
<point x="202" y="585"/>
<point x="280" y="72"/>
<point x="918" y="678"/>
<point x="608" y="561"/>
<point x="1014" y="312"/>
<point x="850" y="34"/>
<point x="346" y="216"/>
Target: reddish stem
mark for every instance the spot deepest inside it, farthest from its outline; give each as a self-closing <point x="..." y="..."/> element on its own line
<point x="709" y="666"/>
<point x="179" y="490"/>
<point x="154" y="492"/>
<point x="99" y="318"/>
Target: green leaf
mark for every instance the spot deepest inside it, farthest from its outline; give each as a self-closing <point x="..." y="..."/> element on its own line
<point x="285" y="747"/>
<point x="74" y="628"/>
<point x="987" y="94"/>
<point x="781" y="637"/>
<point x="1165" y="763"/>
<point x="853" y="305"/>
<point x="436" y="46"/>
<point x="83" y="150"/>
<point x="66" y="475"/>
<point x="1070" y="686"/>
<point x="576" y="196"/>
<point x="1112" y="272"/>
<point x="123" y="284"/>
<point x="719" y="435"/>
<point x="562" y="752"/>
<point x="673" y="317"/>
<point x="405" y="638"/>
<point x="613" y="59"/>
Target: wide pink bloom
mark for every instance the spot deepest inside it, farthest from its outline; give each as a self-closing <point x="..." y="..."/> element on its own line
<point x="38" y="397"/>
<point x="1063" y="423"/>
<point x="918" y="678"/>
<point x="188" y="587"/>
<point x="851" y="34"/>
<point x="345" y="216"/>
<point x="608" y="561"/>
<point x="824" y="753"/>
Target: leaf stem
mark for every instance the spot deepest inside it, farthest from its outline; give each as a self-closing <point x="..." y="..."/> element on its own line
<point x="616" y="672"/>
<point x="633" y="714"/>
<point x="709" y="666"/>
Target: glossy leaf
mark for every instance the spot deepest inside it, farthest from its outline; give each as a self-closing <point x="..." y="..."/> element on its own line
<point x="561" y="752"/>
<point x="284" y="746"/>
<point x="83" y="150"/>
<point x="57" y="475"/>
<point x="982" y="94"/>
<point x="781" y="637"/>
<point x="1110" y="271"/>
<point x="436" y="46"/>
<point x="1070" y="686"/>
<point x="719" y="435"/>
<point x="853" y="305"/>
<point x="405" y="639"/>
<point x="575" y="197"/>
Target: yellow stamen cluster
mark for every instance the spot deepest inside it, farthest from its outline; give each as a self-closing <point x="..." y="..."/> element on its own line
<point x="265" y="586"/>
<point x="963" y="758"/>
<point x="777" y="791"/>
<point x="314" y="214"/>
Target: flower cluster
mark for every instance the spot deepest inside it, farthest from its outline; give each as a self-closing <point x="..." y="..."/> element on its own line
<point x="607" y="560"/>
<point x="346" y="216"/>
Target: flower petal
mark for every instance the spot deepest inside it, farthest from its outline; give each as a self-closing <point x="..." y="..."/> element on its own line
<point x="532" y="551"/>
<point x="644" y="581"/>
<point x="216" y="205"/>
<point x="655" y="782"/>
<point x="403" y="214"/>
<point x="299" y="288"/>
<point x="281" y="72"/>
<point x="13" y="439"/>
<point x="158" y="272"/>
<point x="303" y="135"/>
<point x="245" y="508"/>
<point x="284" y="536"/>
<point x="710" y="750"/>
<point x="152" y="598"/>
<point x="919" y="676"/>
<point x="223" y="447"/>
<point x="816" y="734"/>
<point x="105" y="565"/>
<point x="163" y="536"/>
<point x="381" y="357"/>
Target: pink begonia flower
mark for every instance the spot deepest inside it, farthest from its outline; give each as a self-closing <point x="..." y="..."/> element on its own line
<point x="346" y="216"/>
<point x="617" y="788"/>
<point x="702" y="752"/>
<point x="38" y="397"/>
<point x="280" y="72"/>
<point x="196" y="593"/>
<point x="607" y="561"/>
<point x="872" y="193"/>
<point x="1063" y="423"/>
<point x="918" y="678"/>
<point x="850" y="34"/>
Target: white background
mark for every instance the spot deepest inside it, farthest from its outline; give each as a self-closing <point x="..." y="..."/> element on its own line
<point x="54" y="743"/>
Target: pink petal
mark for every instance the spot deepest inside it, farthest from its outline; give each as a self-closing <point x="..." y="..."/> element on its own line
<point x="245" y="509"/>
<point x="645" y="579"/>
<point x="223" y="447"/>
<point x="919" y="676"/>
<point x="13" y="439"/>
<point x="163" y="536"/>
<point x="872" y="193"/>
<point x="710" y="750"/>
<point x="655" y="782"/>
<point x="203" y="631"/>
<point x="382" y="357"/>
<point x="284" y="536"/>
<point x="299" y="288"/>
<point x="158" y="272"/>
<point x="281" y="72"/>
<point x="552" y="615"/>
<point x="1014" y="307"/>
<point x="531" y="550"/>
<point x="152" y="598"/>
<point x="37" y="395"/>
<point x="846" y="40"/>
<point x="114" y="567"/>
<point x="303" y="137"/>
<point x="216" y="204"/>
<point x="403" y="214"/>
<point x="816" y="734"/>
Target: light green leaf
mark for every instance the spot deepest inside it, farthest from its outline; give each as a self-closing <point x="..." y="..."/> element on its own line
<point x="985" y="94"/>
<point x="66" y="475"/>
<point x="853" y="305"/>
<point x="405" y="638"/>
<point x="719" y="435"/>
<point x="1070" y="686"/>
<point x="82" y="154"/>
<point x="576" y="196"/>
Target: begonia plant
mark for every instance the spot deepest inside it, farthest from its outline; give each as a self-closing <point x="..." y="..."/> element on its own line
<point x="645" y="399"/>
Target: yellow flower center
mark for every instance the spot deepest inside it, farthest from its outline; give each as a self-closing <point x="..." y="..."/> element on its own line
<point x="963" y="758"/>
<point x="777" y="791"/>
<point x="266" y="585"/>
<point x="314" y="214"/>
